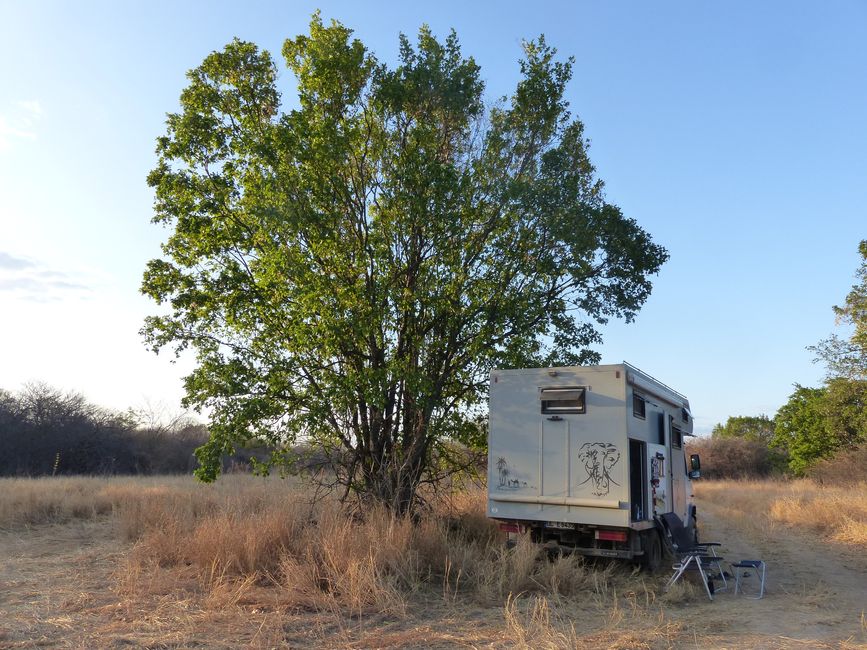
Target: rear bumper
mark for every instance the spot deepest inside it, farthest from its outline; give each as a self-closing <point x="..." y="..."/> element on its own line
<point x="583" y="539"/>
<point x="622" y="554"/>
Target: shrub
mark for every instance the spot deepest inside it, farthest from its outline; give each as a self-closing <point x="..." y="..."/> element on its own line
<point x="735" y="458"/>
<point x="44" y="431"/>
<point x="846" y="467"/>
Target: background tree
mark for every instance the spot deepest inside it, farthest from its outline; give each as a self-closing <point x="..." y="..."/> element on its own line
<point x="743" y="446"/>
<point x="818" y="423"/>
<point x="733" y="457"/>
<point x="47" y="431"/>
<point x="755" y="428"/>
<point x="846" y="357"/>
<point x="845" y="409"/>
<point x="801" y="428"/>
<point x="349" y="272"/>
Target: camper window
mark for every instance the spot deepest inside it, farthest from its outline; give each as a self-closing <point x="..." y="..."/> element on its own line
<point x="563" y="400"/>
<point x="676" y="438"/>
<point x="638" y="406"/>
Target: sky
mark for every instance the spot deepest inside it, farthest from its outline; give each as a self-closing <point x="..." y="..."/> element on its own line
<point x="733" y="132"/>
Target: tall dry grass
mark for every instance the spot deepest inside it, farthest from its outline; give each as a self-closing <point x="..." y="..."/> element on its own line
<point x="764" y="508"/>
<point x="244" y="533"/>
<point x="247" y="547"/>
<point x="316" y="556"/>
<point x="28" y="501"/>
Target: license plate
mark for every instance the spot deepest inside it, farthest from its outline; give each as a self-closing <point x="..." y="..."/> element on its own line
<point x="559" y="524"/>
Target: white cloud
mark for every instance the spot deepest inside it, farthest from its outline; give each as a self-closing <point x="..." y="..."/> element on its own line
<point x="33" y="281"/>
<point x="20" y="123"/>
<point x="13" y="263"/>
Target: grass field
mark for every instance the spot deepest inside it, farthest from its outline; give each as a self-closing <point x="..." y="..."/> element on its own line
<point x="260" y="563"/>
<point x="768" y="508"/>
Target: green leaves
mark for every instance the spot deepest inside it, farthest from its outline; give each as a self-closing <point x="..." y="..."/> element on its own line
<point x="847" y="357"/>
<point x="817" y="422"/>
<point x="350" y="271"/>
<point x="756" y="428"/>
<point x="332" y="71"/>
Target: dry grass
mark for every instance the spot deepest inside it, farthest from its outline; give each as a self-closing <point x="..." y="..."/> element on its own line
<point x="27" y="501"/>
<point x="260" y="563"/>
<point x="764" y="508"/>
<point x="315" y="556"/>
<point x="251" y="545"/>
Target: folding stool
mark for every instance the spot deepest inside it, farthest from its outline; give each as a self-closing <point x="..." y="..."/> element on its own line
<point x="758" y="567"/>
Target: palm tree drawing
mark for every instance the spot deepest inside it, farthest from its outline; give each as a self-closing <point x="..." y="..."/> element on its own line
<point x="503" y="470"/>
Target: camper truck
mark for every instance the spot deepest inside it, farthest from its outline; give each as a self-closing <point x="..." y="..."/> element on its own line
<point x="589" y="459"/>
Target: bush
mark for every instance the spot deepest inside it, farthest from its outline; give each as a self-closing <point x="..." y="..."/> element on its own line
<point x="735" y="458"/>
<point x="846" y="467"/>
<point x="44" y="431"/>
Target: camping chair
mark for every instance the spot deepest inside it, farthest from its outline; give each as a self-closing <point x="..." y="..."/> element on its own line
<point x="699" y="563"/>
<point x="701" y="557"/>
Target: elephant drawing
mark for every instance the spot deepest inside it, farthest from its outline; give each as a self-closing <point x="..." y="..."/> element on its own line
<point x="598" y="459"/>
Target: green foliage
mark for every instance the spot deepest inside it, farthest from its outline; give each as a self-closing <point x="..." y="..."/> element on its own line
<point x="350" y="271"/>
<point x="756" y="428"/>
<point x="743" y="447"/>
<point x="847" y="356"/>
<point x="800" y="428"/>
<point x="816" y="423"/>
<point x="845" y="408"/>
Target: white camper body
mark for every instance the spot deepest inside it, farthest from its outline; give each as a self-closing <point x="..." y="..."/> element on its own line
<point x="588" y="458"/>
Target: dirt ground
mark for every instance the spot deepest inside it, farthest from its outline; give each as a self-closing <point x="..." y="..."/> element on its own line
<point x="815" y="592"/>
<point x="60" y="587"/>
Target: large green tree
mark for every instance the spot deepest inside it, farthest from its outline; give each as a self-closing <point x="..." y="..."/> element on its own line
<point x="817" y="423"/>
<point x="800" y="428"/>
<point x="846" y="356"/>
<point x="349" y="271"/>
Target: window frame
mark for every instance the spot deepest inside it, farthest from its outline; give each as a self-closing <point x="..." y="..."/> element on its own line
<point x="547" y="409"/>
<point x="676" y="437"/>
<point x="636" y="398"/>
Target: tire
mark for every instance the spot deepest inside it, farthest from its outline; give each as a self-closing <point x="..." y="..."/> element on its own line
<point x="652" y="559"/>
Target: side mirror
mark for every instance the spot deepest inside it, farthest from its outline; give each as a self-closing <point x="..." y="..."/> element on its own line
<point x="694" y="466"/>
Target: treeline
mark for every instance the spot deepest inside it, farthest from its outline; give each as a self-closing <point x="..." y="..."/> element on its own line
<point x="44" y="431"/>
<point x="819" y="431"/>
<point x="813" y="434"/>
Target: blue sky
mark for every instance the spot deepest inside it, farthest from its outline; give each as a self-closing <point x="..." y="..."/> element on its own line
<point x="734" y="132"/>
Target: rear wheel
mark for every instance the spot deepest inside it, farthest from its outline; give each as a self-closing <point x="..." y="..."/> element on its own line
<point x="652" y="558"/>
